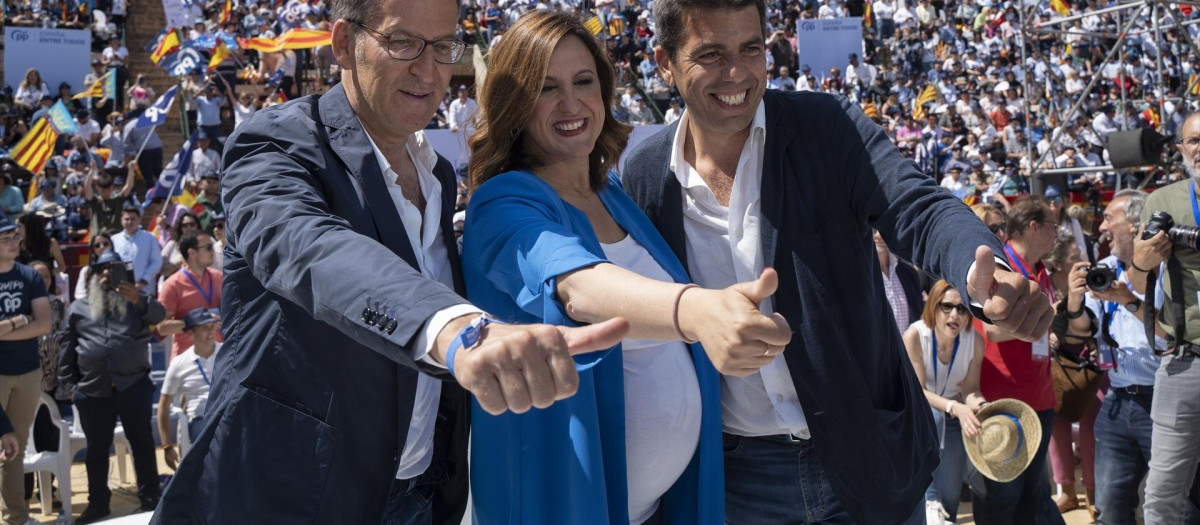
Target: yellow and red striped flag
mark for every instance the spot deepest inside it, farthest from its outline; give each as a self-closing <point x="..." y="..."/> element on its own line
<point x="225" y="12"/>
<point x="927" y="96"/>
<point x="220" y="53"/>
<point x="35" y="147"/>
<point x="1060" y="7"/>
<point x="97" y="89"/>
<point x="304" y="39"/>
<point x="870" y="110"/>
<point x="169" y="44"/>
<point x="260" y="44"/>
<point x="1194" y="84"/>
<point x="593" y="25"/>
<point x="867" y="14"/>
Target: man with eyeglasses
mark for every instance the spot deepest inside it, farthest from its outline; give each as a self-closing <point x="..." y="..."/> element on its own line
<point x="196" y="285"/>
<point x="25" y="307"/>
<point x="343" y="299"/>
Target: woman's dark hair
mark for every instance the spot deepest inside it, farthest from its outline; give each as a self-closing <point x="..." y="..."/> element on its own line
<point x="97" y="236"/>
<point x="36" y="241"/>
<point x="52" y="287"/>
<point x="177" y="229"/>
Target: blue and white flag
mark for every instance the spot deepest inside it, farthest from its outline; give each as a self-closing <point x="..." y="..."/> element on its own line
<point x="183" y="62"/>
<point x="170" y="181"/>
<point x="158" y="113"/>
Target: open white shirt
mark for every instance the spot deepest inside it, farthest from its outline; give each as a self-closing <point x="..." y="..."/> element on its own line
<point x="425" y="235"/>
<point x="724" y="247"/>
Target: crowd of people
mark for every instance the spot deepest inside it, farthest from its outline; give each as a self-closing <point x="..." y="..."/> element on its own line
<point x="975" y="105"/>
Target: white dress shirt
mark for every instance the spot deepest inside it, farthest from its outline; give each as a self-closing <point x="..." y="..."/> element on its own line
<point x="425" y="235"/>
<point x="724" y="247"/>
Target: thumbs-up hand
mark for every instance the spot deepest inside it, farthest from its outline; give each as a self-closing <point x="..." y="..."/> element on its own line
<point x="1013" y="303"/>
<point x="737" y="337"/>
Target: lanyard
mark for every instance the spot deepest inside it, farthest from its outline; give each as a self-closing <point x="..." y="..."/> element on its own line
<point x="937" y="362"/>
<point x="1016" y="260"/>
<point x="1111" y="308"/>
<point x="208" y="297"/>
<point x="1195" y="207"/>
<point x="205" y="376"/>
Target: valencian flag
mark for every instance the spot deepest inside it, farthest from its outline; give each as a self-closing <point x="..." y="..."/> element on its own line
<point x="927" y="96"/>
<point x="225" y="12"/>
<point x="35" y="147"/>
<point x="220" y="53"/>
<point x="60" y="117"/>
<point x="167" y="45"/>
<point x="1060" y="7"/>
<point x="1194" y="84"/>
<point x="100" y="87"/>
<point x="260" y="44"/>
<point x="593" y="25"/>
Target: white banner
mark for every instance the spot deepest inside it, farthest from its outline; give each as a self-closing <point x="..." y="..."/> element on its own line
<point x="828" y="42"/>
<point x="177" y="15"/>
<point x="445" y="142"/>
<point x="59" y="55"/>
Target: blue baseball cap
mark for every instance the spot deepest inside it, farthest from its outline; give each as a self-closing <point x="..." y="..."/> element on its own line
<point x="1052" y="192"/>
<point x="198" y="317"/>
<point x="5" y="224"/>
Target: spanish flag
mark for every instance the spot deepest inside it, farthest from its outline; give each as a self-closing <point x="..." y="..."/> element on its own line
<point x="35" y="147"/>
<point x="220" y="53"/>
<point x="927" y="96"/>
<point x="1060" y="7"/>
<point x="97" y="89"/>
<point x="304" y="39"/>
<point x="593" y="25"/>
<point x="167" y="45"/>
<point x="225" y="12"/>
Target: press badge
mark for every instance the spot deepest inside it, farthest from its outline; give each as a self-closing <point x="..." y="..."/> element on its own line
<point x="1041" y="348"/>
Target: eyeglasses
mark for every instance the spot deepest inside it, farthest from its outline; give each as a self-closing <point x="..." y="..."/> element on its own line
<point x="946" y="308"/>
<point x="218" y="226"/>
<point x="188" y="225"/>
<point x="408" y="47"/>
<point x="996" y="228"/>
<point x="206" y="247"/>
<point x="102" y="244"/>
<point x="10" y="240"/>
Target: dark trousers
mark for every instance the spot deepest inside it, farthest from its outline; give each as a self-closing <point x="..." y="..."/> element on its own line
<point x="1022" y="500"/>
<point x="151" y="164"/>
<point x="99" y="418"/>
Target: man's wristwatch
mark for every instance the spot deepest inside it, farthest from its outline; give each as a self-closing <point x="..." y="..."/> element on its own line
<point x="1133" y="306"/>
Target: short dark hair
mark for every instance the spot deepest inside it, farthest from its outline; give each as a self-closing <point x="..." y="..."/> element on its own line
<point x="190" y="241"/>
<point x="669" y="18"/>
<point x="131" y="209"/>
<point x="353" y="10"/>
<point x="1033" y="208"/>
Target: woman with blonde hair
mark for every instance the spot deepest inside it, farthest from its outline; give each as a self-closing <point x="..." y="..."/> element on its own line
<point x="993" y="218"/>
<point x="947" y="356"/>
<point x="31" y="89"/>
<point x="551" y="237"/>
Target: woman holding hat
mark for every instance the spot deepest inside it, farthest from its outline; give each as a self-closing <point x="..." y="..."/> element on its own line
<point x="946" y="355"/>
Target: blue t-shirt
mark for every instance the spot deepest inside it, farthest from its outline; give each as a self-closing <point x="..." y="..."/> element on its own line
<point x="18" y="288"/>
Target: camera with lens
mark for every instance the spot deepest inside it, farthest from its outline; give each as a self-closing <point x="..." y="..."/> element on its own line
<point x="1180" y="235"/>
<point x="1100" y="278"/>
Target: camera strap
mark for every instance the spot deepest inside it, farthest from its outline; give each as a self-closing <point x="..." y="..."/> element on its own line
<point x="1175" y="273"/>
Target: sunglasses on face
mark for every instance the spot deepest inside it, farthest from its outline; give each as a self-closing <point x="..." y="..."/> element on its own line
<point x="187" y="225"/>
<point x="996" y="228"/>
<point x="946" y="308"/>
<point x="102" y="244"/>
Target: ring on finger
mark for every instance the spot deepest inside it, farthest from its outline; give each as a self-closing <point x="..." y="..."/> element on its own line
<point x="767" y="351"/>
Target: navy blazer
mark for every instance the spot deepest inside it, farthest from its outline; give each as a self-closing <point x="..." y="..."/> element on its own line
<point x="311" y="403"/>
<point x="830" y="175"/>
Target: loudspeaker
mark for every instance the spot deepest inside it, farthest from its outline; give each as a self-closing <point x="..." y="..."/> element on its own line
<point x="1140" y="147"/>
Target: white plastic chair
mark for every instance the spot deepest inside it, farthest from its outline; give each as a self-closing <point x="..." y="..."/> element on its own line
<point x="183" y="436"/>
<point x="48" y="462"/>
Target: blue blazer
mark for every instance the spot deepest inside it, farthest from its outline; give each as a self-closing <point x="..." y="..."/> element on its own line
<point x="566" y="463"/>
<point x="310" y="402"/>
<point x="829" y="176"/>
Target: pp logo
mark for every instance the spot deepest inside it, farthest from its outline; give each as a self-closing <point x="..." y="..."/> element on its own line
<point x="154" y="113"/>
<point x="20" y="36"/>
<point x="808" y="26"/>
<point x="11" y="301"/>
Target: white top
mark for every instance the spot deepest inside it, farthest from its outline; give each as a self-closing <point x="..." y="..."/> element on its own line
<point x="662" y="400"/>
<point x="949" y="380"/>
<point x="425" y="235"/>
<point x="462" y="114"/>
<point x="724" y="247"/>
<point x="204" y="162"/>
<point x="241" y="113"/>
<point x="184" y="379"/>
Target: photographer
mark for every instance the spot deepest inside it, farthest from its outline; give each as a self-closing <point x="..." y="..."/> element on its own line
<point x="1176" y="405"/>
<point x="106" y="357"/>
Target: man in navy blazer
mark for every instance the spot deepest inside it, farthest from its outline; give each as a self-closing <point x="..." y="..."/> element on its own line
<point x="837" y="429"/>
<point x="342" y="280"/>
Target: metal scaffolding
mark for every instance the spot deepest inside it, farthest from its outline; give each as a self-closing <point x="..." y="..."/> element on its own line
<point x="1156" y="9"/>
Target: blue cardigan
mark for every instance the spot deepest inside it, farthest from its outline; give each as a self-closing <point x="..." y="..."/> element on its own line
<point x="566" y="463"/>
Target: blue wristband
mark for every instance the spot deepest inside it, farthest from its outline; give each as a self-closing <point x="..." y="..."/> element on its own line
<point x="467" y="338"/>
